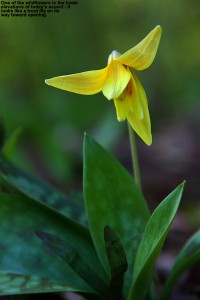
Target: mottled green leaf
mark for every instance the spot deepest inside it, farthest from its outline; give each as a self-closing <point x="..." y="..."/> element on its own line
<point x="21" y="251"/>
<point x="117" y="261"/>
<point x="72" y="257"/>
<point x="13" y="284"/>
<point x="38" y="190"/>
<point x="189" y="255"/>
<point x="112" y="198"/>
<point x="152" y="241"/>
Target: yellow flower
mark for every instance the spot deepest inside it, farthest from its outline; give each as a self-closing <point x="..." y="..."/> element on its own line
<point x="118" y="83"/>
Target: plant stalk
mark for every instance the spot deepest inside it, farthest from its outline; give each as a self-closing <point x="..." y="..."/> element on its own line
<point x="134" y="155"/>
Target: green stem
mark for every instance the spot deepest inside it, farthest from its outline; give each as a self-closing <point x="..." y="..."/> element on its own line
<point x="134" y="154"/>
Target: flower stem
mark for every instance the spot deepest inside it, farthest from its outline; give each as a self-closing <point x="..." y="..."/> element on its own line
<point x="134" y="154"/>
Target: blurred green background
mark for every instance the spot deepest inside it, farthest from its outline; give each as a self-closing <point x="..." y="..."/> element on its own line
<point x="81" y="39"/>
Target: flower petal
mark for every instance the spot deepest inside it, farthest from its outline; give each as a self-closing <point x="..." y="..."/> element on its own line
<point x="128" y="101"/>
<point x="116" y="80"/>
<point x="86" y="83"/>
<point x="133" y="96"/>
<point x="142" y="55"/>
<point x="141" y="126"/>
<point x="122" y="108"/>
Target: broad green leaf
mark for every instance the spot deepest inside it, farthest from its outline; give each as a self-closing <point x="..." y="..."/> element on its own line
<point x="117" y="261"/>
<point x="189" y="255"/>
<point x="38" y="190"/>
<point x="10" y="143"/>
<point x="21" y="251"/>
<point x="13" y="284"/>
<point x="152" y="241"/>
<point x="112" y="198"/>
<point x="72" y="257"/>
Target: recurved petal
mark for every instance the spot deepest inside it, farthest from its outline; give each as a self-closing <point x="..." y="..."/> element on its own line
<point x="142" y="55"/>
<point x="141" y="126"/>
<point x="85" y="83"/>
<point x="116" y="80"/>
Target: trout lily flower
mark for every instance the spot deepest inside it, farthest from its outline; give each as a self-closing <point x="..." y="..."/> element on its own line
<point x="117" y="82"/>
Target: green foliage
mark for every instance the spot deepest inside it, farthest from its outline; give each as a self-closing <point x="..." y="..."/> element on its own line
<point x="152" y="241"/>
<point x="112" y="259"/>
<point x="72" y="257"/>
<point x="21" y="252"/>
<point x="22" y="284"/>
<point x="117" y="261"/>
<point x="189" y="255"/>
<point x="112" y="198"/>
<point x="38" y="190"/>
<point x="10" y="143"/>
<point x="2" y="134"/>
